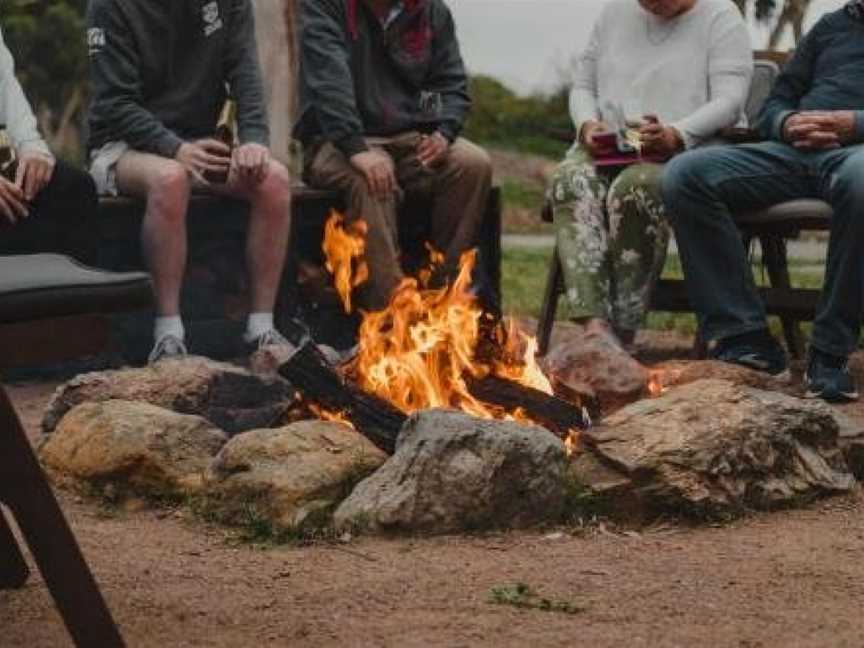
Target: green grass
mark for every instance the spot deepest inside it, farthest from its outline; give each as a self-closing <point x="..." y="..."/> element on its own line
<point x="524" y="279"/>
<point x="523" y="596"/>
<point x="521" y="194"/>
<point x="530" y="144"/>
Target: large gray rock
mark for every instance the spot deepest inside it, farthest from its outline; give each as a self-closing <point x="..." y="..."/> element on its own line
<point x="455" y="472"/>
<point x="137" y="448"/>
<point x="711" y="447"/>
<point x="227" y="396"/>
<point x="289" y="474"/>
<point x="591" y="364"/>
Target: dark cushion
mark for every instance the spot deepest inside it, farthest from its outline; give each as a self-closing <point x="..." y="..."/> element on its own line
<point x="36" y="286"/>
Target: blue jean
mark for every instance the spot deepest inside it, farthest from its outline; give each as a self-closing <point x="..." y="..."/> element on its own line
<point x="703" y="188"/>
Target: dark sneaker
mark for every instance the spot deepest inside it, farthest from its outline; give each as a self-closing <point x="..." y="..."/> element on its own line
<point x="828" y="378"/>
<point x="168" y="346"/>
<point x="758" y="350"/>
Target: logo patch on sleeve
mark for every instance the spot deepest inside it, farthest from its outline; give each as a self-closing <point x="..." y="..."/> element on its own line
<point x="212" y="20"/>
<point x="95" y="40"/>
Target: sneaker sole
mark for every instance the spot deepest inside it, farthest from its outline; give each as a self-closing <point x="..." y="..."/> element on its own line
<point x="841" y="397"/>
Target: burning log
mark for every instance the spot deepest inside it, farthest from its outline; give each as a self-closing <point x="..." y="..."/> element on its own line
<point x="557" y="414"/>
<point x="310" y="373"/>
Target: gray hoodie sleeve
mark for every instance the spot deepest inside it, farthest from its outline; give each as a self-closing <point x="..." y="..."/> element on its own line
<point x="447" y="74"/>
<point x="243" y="73"/>
<point x="327" y="80"/>
<point x="116" y="85"/>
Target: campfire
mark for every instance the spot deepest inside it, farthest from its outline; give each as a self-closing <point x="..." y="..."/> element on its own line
<point x="432" y="347"/>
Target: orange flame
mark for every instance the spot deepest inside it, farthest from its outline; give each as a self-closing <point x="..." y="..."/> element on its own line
<point x="344" y="246"/>
<point x="416" y="352"/>
<point x="660" y="379"/>
<point x="327" y="415"/>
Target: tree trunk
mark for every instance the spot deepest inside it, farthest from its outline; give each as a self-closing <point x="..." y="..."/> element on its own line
<point x="275" y="29"/>
<point x="792" y="15"/>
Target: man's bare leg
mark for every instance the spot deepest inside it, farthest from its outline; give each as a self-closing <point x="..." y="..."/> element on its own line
<point x="165" y="185"/>
<point x="267" y="241"/>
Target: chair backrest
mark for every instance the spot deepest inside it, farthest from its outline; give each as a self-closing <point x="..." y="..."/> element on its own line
<point x="765" y="72"/>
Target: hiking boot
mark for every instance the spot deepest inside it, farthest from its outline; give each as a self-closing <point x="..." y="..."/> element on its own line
<point x="828" y="378"/>
<point x="756" y="350"/>
<point x="168" y="346"/>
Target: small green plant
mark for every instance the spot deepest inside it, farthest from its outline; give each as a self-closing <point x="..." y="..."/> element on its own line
<point x="523" y="596"/>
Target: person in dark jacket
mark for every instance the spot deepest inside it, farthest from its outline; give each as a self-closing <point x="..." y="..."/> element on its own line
<point x="160" y="72"/>
<point x="814" y="121"/>
<point x="383" y="98"/>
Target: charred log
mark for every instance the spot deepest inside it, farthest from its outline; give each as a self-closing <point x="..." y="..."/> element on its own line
<point x="557" y="414"/>
<point x="317" y="381"/>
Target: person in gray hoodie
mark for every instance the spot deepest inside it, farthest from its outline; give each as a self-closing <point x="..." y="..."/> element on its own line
<point x="44" y="202"/>
<point x="160" y="71"/>
<point x="383" y="98"/>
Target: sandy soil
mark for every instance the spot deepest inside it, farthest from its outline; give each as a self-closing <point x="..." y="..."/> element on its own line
<point x="783" y="579"/>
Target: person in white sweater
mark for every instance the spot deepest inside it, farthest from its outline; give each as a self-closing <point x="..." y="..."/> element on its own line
<point x="43" y="202"/>
<point x="679" y="71"/>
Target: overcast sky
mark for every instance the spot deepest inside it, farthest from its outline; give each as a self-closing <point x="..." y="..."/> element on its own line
<point x="525" y="42"/>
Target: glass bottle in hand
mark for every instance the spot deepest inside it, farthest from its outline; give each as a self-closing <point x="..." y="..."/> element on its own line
<point x="8" y="158"/>
<point x="225" y="128"/>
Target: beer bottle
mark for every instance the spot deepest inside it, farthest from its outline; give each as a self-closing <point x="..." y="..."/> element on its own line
<point x="225" y="133"/>
<point x="8" y="158"/>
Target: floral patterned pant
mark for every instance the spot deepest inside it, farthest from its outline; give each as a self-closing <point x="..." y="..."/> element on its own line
<point x="611" y="237"/>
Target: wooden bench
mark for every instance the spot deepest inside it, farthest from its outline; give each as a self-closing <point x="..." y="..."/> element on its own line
<point x="771" y="227"/>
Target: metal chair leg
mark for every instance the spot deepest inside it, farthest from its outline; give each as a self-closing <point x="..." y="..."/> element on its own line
<point x="13" y="569"/>
<point x="554" y="288"/>
<point x="26" y="492"/>
<point x="777" y="265"/>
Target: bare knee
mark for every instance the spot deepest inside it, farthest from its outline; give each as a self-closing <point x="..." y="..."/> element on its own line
<point x="168" y="190"/>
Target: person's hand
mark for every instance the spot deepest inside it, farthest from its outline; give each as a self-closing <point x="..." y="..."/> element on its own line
<point x="819" y="130"/>
<point x="12" y="201"/>
<point x="204" y="155"/>
<point x="251" y="162"/>
<point x="659" y="139"/>
<point x="35" y="169"/>
<point x="586" y="137"/>
<point x="377" y="167"/>
<point x="432" y="149"/>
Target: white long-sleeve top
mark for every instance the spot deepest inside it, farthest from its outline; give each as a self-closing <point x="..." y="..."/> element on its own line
<point x="692" y="71"/>
<point x="15" y="110"/>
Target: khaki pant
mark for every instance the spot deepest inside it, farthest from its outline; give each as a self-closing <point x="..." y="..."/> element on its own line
<point x="459" y="189"/>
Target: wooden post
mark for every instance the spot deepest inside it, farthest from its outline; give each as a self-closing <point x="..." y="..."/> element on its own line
<point x="275" y="30"/>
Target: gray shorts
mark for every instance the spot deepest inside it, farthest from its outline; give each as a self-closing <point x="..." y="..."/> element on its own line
<point x="103" y="166"/>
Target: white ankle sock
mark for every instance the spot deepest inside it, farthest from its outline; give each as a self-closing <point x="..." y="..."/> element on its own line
<point x="169" y="325"/>
<point x="257" y="325"/>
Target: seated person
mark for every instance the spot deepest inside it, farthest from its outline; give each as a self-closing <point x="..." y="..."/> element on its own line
<point x="159" y="73"/>
<point x="44" y="203"/>
<point x="676" y="70"/>
<point x="383" y="96"/>
<point x="814" y="119"/>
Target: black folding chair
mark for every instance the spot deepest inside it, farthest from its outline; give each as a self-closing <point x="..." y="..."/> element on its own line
<point x="32" y="288"/>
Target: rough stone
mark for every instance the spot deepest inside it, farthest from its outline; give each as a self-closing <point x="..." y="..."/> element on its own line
<point x="135" y="448"/>
<point x="682" y="372"/>
<point x="590" y="363"/>
<point x="851" y="440"/>
<point x="454" y="472"/>
<point x="289" y="474"/>
<point x="711" y="447"/>
<point x="229" y="397"/>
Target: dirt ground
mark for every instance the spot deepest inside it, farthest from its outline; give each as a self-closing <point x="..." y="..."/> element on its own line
<point x="786" y="579"/>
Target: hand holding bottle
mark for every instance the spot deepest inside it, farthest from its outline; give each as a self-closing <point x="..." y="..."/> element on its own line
<point x="12" y="201"/>
<point x="34" y="172"/>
